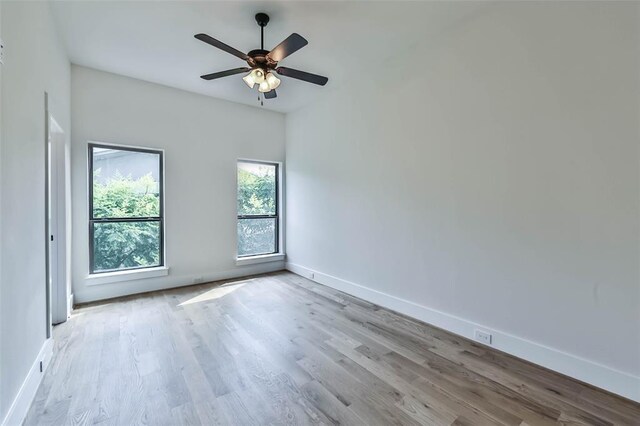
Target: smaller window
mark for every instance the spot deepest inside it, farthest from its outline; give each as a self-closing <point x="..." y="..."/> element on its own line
<point x="258" y="221"/>
<point x="125" y="208"/>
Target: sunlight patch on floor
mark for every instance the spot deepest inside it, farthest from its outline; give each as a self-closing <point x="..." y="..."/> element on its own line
<point x="217" y="292"/>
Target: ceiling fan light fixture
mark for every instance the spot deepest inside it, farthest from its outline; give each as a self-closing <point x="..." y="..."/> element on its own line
<point x="256" y="76"/>
<point x="272" y="80"/>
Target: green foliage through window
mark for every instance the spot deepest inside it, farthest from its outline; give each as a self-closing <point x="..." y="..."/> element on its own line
<point x="124" y="197"/>
<point x="119" y="245"/>
<point x="256" y="190"/>
<point x="126" y="220"/>
<point x="257" y="208"/>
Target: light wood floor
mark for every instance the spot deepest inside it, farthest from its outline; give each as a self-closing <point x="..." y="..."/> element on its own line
<point x="279" y="349"/>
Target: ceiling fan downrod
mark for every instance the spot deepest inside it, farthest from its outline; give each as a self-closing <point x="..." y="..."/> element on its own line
<point x="262" y="19"/>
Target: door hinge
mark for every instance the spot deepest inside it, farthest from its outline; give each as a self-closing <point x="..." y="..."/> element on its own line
<point x="41" y="366"/>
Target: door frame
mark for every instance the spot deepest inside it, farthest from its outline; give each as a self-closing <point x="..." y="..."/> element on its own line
<point x="58" y="223"/>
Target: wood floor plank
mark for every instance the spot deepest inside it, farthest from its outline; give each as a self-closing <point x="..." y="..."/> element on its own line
<point x="280" y="349"/>
<point x="329" y="405"/>
<point x="423" y="393"/>
<point x="370" y="402"/>
<point x="481" y="394"/>
<point x="426" y="413"/>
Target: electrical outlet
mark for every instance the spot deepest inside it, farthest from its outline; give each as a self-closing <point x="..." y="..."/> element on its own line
<point x="483" y="337"/>
<point x="1" y="51"/>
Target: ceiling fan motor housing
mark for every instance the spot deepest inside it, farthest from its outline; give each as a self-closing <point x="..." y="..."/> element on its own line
<point x="258" y="58"/>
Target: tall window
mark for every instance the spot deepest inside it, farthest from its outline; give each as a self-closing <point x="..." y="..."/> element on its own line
<point x="257" y="208"/>
<point x="125" y="208"/>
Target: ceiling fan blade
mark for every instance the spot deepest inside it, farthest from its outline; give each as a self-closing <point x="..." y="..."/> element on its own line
<point x="271" y="94"/>
<point x="301" y="75"/>
<point x="220" y="45"/>
<point x="289" y="45"/>
<point x="225" y="73"/>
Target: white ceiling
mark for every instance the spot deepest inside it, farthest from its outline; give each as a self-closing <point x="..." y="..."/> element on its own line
<point x="153" y="40"/>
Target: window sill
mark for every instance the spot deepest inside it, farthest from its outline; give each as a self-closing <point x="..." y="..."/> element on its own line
<point x="276" y="257"/>
<point x="119" y="276"/>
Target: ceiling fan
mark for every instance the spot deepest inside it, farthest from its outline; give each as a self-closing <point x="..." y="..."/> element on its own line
<point x="263" y="63"/>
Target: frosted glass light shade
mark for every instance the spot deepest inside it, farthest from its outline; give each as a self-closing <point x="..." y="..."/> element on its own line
<point x="256" y="76"/>
<point x="272" y="80"/>
<point x="249" y="80"/>
<point x="264" y="87"/>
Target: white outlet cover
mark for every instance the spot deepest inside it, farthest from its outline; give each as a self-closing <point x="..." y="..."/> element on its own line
<point x="483" y="337"/>
<point x="1" y="51"/>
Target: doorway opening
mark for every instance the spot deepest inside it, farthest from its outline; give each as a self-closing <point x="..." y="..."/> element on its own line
<point x="58" y="222"/>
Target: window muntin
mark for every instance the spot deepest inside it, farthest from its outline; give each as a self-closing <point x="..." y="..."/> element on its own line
<point x="126" y="229"/>
<point x="258" y="223"/>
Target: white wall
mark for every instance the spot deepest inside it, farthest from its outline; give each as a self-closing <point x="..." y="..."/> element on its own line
<point x="488" y="177"/>
<point x="35" y="62"/>
<point x="1" y="149"/>
<point x="202" y="138"/>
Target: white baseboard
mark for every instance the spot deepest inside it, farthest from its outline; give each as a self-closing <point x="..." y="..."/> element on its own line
<point x="599" y="375"/>
<point x="111" y="290"/>
<point x="22" y="402"/>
